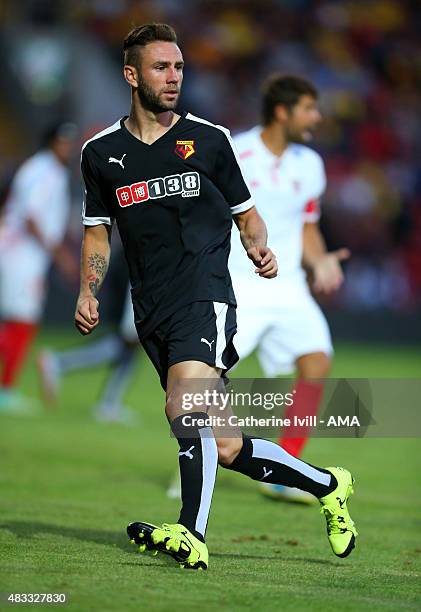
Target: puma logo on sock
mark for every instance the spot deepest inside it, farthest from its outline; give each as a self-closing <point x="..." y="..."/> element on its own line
<point x="266" y="473"/>
<point x="187" y="453"/>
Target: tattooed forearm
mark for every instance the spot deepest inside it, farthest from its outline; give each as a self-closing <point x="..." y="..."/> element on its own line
<point x="98" y="267"/>
<point x="95" y="255"/>
<point x="93" y="285"/>
<point x="97" y="263"/>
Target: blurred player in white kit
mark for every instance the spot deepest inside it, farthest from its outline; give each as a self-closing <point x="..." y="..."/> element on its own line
<point x="31" y="234"/>
<point x="281" y="320"/>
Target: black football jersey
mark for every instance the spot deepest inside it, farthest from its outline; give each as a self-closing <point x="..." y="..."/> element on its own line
<point x="173" y="202"/>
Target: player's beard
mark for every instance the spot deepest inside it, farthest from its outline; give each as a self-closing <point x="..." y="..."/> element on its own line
<point x="300" y="136"/>
<point x="151" y="100"/>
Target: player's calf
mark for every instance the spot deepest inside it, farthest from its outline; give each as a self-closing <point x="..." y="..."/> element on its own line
<point x="228" y="450"/>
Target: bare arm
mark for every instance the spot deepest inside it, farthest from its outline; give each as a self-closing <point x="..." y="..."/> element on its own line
<point x="93" y="268"/>
<point x="325" y="266"/>
<point x="253" y="235"/>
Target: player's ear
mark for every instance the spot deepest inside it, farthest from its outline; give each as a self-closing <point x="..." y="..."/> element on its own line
<point x="280" y="113"/>
<point x="131" y="75"/>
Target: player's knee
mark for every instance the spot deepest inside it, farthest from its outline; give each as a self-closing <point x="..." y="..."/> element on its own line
<point x="172" y="406"/>
<point x="228" y="449"/>
<point x="316" y="365"/>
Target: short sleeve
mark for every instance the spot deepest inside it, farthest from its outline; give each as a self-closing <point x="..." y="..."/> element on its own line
<point x="228" y="176"/>
<point x="95" y="210"/>
<point x="318" y="186"/>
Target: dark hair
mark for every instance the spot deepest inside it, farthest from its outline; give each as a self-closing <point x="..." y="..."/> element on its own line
<point x="58" y="129"/>
<point x="285" y="90"/>
<point x="142" y="36"/>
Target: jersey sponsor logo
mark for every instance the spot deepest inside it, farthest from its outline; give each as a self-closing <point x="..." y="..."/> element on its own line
<point x="184" y="148"/>
<point x="187" y="185"/>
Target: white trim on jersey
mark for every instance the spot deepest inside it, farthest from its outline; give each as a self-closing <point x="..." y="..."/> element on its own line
<point x="209" y="467"/>
<point x="242" y="207"/>
<point x="263" y="449"/>
<point x="91" y="221"/>
<point x="250" y="202"/>
<point x="221" y="341"/>
<point x="111" y="128"/>
<point x="311" y="217"/>
<point x="312" y="211"/>
<point x="206" y="122"/>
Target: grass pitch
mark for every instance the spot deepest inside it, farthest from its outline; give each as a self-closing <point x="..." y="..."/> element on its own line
<point x="69" y="486"/>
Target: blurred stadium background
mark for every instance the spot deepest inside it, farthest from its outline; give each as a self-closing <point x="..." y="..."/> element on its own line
<point x="63" y="58"/>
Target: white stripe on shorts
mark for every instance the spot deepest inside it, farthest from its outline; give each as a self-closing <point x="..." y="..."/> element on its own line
<point x="221" y="310"/>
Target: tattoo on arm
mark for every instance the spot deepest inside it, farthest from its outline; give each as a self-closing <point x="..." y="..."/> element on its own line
<point x="98" y="266"/>
<point x="93" y="284"/>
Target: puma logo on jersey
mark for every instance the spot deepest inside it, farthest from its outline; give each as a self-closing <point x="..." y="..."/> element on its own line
<point x="113" y="160"/>
<point x="187" y="453"/>
<point x="207" y="342"/>
<point x="266" y="473"/>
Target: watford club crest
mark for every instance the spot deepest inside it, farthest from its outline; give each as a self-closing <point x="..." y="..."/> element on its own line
<point x="184" y="148"/>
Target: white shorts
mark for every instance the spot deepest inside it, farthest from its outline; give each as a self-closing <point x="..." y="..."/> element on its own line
<point x="127" y="326"/>
<point x="281" y="320"/>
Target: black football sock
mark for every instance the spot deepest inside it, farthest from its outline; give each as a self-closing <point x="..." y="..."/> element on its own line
<point x="198" y="461"/>
<point x="268" y="462"/>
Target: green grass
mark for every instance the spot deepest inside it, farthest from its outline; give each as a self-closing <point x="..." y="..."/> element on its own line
<point x="69" y="486"/>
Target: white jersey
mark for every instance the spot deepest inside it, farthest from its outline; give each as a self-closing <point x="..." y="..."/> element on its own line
<point x="287" y="191"/>
<point x="39" y="192"/>
<point x="279" y="317"/>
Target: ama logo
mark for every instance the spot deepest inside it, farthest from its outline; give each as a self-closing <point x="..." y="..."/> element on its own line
<point x="184" y="148"/>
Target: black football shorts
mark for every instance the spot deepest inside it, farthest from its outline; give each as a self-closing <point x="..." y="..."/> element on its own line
<point x="200" y="331"/>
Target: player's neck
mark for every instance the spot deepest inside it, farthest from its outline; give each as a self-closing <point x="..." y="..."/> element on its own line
<point x="56" y="155"/>
<point x="274" y="139"/>
<point x="148" y="126"/>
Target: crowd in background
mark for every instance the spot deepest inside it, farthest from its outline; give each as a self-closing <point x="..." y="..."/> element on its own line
<point x="364" y="57"/>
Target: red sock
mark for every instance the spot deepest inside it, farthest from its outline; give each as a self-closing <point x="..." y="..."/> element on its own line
<point x="307" y="398"/>
<point x="15" y="339"/>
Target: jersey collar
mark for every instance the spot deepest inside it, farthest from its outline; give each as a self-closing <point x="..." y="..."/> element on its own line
<point x="164" y="136"/>
<point x="263" y="150"/>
